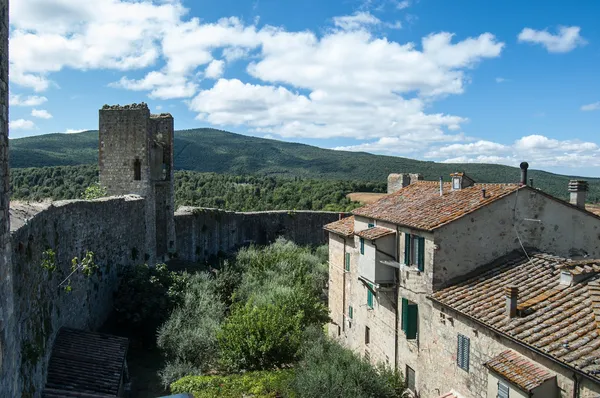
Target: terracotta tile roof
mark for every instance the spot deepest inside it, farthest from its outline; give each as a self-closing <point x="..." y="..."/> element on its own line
<point x="581" y="267"/>
<point x="375" y="233"/>
<point x="85" y="364"/>
<point x="518" y="370"/>
<point x="419" y="205"/>
<point x="344" y="227"/>
<point x="559" y="320"/>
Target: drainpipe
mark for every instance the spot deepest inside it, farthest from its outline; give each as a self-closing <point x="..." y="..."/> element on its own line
<point x="344" y="290"/>
<point x="396" y="298"/>
<point x="575" y="386"/>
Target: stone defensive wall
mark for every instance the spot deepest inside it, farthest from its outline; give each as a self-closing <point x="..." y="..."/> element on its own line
<point x="202" y="233"/>
<point x="112" y="228"/>
<point x="45" y="298"/>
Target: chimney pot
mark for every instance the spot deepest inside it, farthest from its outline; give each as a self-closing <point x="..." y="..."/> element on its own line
<point x="441" y="186"/>
<point x="578" y="192"/>
<point x="511" y="293"/>
<point x="524" y="166"/>
<point x="483" y="193"/>
<point x="531" y="182"/>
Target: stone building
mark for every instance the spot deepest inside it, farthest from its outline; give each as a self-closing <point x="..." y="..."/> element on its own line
<point x="417" y="281"/>
<point x="136" y="157"/>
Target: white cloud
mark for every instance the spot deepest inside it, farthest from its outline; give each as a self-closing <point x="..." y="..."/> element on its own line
<point x="51" y="35"/>
<point x="403" y="4"/>
<point x="357" y="21"/>
<point x="160" y="85"/>
<point x="591" y="107"/>
<point x="158" y="107"/>
<point x="501" y="80"/>
<point x="41" y="113"/>
<point x="214" y="70"/>
<point x="565" y="40"/>
<point x="73" y="131"/>
<point x="21" y="124"/>
<point x="31" y="100"/>
<point x="538" y="150"/>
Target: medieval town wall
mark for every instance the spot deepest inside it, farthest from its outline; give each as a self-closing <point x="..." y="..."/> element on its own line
<point x="113" y="229"/>
<point x="202" y="233"/>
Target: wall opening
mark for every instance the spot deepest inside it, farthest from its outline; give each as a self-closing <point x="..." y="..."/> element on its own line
<point x="137" y="170"/>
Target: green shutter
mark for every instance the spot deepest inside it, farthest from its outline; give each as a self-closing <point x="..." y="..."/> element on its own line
<point x="347" y="261"/>
<point x="371" y="225"/>
<point x="407" y="249"/>
<point x="413" y="319"/>
<point x="370" y="296"/>
<point x="404" y="314"/>
<point x="350" y="312"/>
<point x="421" y="254"/>
<point x="362" y="246"/>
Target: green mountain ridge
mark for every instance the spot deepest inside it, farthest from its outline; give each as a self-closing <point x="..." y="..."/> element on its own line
<point x="211" y="150"/>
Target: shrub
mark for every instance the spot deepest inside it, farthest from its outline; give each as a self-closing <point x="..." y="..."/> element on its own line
<point x="94" y="191"/>
<point x="176" y="370"/>
<point x="260" y="337"/>
<point x="262" y="384"/>
<point x="329" y="370"/>
<point x="190" y="334"/>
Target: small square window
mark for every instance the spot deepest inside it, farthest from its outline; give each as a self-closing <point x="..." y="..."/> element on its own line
<point x="350" y="312"/>
<point x="367" y="335"/>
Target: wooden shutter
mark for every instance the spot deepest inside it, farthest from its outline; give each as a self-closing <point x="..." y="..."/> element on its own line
<point x="370" y="296"/>
<point x="350" y="312"/>
<point x="503" y="390"/>
<point x="413" y="321"/>
<point x="362" y="246"/>
<point x="407" y="249"/>
<point x="404" y="314"/>
<point x="371" y="225"/>
<point x="462" y="352"/>
<point x="347" y="261"/>
<point x="421" y="254"/>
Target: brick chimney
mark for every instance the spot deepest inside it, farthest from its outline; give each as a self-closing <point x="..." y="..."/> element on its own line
<point x="511" y="293"/>
<point x="578" y="190"/>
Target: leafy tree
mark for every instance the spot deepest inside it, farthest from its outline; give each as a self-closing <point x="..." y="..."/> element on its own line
<point x="189" y="336"/>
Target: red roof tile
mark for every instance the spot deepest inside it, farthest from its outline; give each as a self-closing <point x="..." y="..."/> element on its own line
<point x="420" y="205"/>
<point x="375" y="233"/>
<point x="518" y="370"/>
<point x="344" y="227"/>
<point x="558" y="320"/>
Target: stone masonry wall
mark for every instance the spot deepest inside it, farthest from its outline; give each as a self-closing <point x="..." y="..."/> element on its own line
<point x="8" y="358"/>
<point x="202" y="233"/>
<point x="113" y="229"/>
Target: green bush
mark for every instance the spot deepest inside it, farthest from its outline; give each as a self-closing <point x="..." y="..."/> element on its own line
<point x="189" y="335"/>
<point x="176" y="370"/>
<point x="94" y="191"/>
<point x="262" y="384"/>
<point x="329" y="370"/>
<point x="260" y="337"/>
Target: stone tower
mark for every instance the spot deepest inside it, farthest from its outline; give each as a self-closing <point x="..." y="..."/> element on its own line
<point x="9" y="355"/>
<point x="136" y="157"/>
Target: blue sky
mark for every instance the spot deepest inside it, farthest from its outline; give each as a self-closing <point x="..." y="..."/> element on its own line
<point x="470" y="81"/>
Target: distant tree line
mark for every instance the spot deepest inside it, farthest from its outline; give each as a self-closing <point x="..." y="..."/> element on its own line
<point x="239" y="193"/>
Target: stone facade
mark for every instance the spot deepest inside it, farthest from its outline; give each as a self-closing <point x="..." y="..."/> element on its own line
<point x="450" y="252"/>
<point x="136" y="157"/>
<point x="203" y="233"/>
<point x="396" y="182"/>
<point x="8" y="358"/>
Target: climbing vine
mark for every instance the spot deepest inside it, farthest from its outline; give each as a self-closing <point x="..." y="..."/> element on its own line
<point x="86" y="266"/>
<point x="49" y="260"/>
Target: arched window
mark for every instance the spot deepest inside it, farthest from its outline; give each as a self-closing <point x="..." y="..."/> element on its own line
<point x="137" y="170"/>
